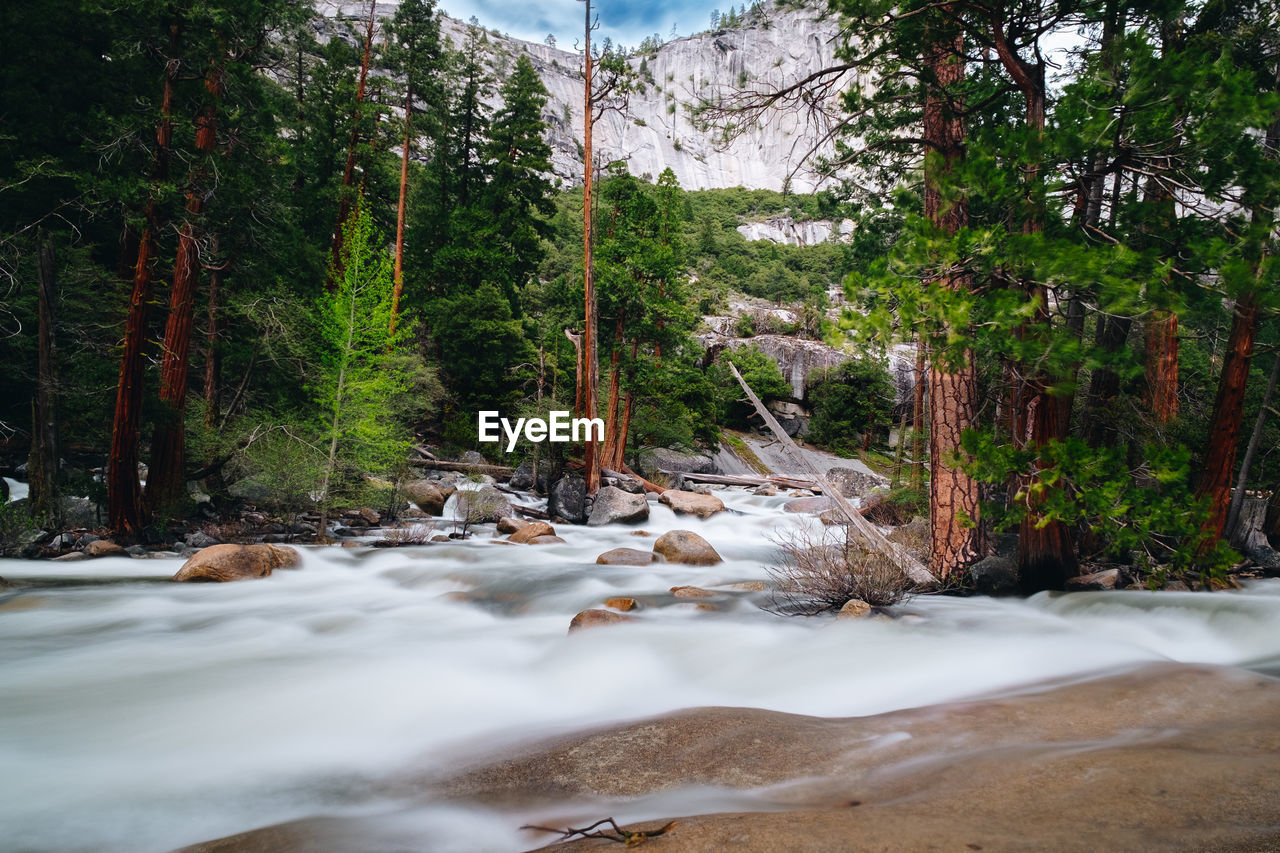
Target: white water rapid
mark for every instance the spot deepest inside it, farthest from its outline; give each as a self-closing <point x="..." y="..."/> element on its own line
<point x="140" y="715"/>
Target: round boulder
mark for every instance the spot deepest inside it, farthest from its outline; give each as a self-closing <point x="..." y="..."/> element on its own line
<point x="685" y="546"/>
<point x="532" y="531"/>
<point x="595" y="618"/>
<point x="615" y="505"/>
<point x="692" y="503"/>
<point x="221" y="563"/>
<point x="568" y="499"/>
<point x="626" y="557"/>
<point x="481" y="506"/>
<point x="428" y="495"/>
<point x="105" y="548"/>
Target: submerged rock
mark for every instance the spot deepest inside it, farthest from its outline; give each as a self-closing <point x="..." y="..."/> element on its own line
<point x="626" y="557"/>
<point x="691" y="592"/>
<point x="595" y="618"/>
<point x="222" y="563"/>
<point x="685" y="546"/>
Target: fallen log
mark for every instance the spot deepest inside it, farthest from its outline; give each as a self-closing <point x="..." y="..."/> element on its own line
<point x="531" y="512"/>
<point x="874" y="538"/>
<point x="464" y="467"/>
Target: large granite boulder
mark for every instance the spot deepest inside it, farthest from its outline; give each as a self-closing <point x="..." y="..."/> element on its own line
<point x="568" y="500"/>
<point x="222" y="563"/>
<point x="692" y="503"/>
<point x="613" y="505"/>
<point x="653" y="461"/>
<point x="428" y="495"/>
<point x="481" y="506"/>
<point x="685" y="546"/>
<point x="853" y="483"/>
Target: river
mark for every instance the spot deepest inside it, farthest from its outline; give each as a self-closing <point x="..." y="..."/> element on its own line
<point x="141" y="715"/>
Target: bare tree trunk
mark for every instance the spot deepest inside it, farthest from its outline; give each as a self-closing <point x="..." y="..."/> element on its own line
<point x="348" y="171"/>
<point x="953" y="389"/>
<point x="42" y="465"/>
<point x="1251" y="452"/>
<point x="124" y="492"/>
<point x="576" y="340"/>
<point x="166" y="480"/>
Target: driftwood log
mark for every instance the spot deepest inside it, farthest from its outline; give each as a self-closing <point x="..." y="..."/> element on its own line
<point x="747" y="480"/>
<point x="874" y="538"/>
<point x="464" y="467"/>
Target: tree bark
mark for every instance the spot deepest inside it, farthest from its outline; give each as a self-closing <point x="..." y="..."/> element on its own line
<point x="400" y="208"/>
<point x="42" y="465"/>
<point x="348" y="171"/>
<point x="1224" y="429"/>
<point x="124" y="492"/>
<point x="953" y="388"/>
<point x="1162" y="365"/>
<point x="1251" y="452"/>
<point x="592" y="367"/>
<point x="166" y="480"/>
<point x="212" y="353"/>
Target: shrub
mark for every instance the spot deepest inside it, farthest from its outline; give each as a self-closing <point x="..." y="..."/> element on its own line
<point x="821" y="570"/>
<point x="849" y="401"/>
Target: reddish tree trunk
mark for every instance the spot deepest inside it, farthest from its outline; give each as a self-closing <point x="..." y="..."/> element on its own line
<point x="591" y="457"/>
<point x="400" y="208"/>
<point x="953" y="388"/>
<point x="166" y="480"/>
<point x="1228" y="412"/>
<point x="349" y="170"/>
<point x="124" y="492"/>
<point x="1162" y="365"/>
<point x="212" y="353"/>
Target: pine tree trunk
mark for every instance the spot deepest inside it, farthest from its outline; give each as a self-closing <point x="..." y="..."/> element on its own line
<point x="400" y="207"/>
<point x="591" y="361"/>
<point x="124" y="492"/>
<point x="1162" y="365"/>
<point x="1251" y="452"/>
<point x="608" y="454"/>
<point x="349" y="170"/>
<point x="1228" y="408"/>
<point x="166" y="480"/>
<point x="953" y="391"/>
<point x="42" y="465"/>
<point x="212" y="353"/>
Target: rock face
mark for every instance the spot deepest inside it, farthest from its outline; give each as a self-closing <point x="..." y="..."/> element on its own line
<point x="626" y="557"/>
<point x="685" y="546"/>
<point x="784" y="229"/>
<point x="221" y="563"/>
<point x="614" y="505"/>
<point x="568" y="499"/>
<point x="652" y="461"/>
<point x="692" y="503"/>
<point x="532" y="531"/>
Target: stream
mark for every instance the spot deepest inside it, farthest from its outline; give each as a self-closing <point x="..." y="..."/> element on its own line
<point x="140" y="715"/>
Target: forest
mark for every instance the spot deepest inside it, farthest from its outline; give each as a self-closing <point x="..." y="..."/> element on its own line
<point x="301" y="257"/>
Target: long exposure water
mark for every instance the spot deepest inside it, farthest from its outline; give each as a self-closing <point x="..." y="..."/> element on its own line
<point x="141" y="715"/>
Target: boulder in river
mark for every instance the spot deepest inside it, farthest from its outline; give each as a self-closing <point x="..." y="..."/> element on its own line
<point x="854" y="608"/>
<point x="428" y="495"/>
<point x="813" y="505"/>
<point x="685" y="546"/>
<point x="221" y="563"/>
<point x="510" y="524"/>
<point x="568" y="499"/>
<point x="1106" y="579"/>
<point x="626" y="557"/>
<point x="613" y="505"/>
<point x="995" y="575"/>
<point x="532" y="531"/>
<point x="481" y="506"/>
<point x="692" y="503"/>
<point x="595" y="618"/>
<point x="105" y="548"/>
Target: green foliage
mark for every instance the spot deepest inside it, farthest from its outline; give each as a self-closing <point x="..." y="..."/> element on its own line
<point x="761" y="374"/>
<point x="848" y="401"/>
<point x="1150" y="509"/>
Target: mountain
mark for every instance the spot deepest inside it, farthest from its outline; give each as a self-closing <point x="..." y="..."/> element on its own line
<point x="772" y="48"/>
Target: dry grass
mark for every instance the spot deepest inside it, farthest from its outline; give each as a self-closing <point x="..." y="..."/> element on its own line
<point x="413" y="534"/>
<point x="821" y="570"/>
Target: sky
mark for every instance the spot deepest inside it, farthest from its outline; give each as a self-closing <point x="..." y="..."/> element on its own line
<point x="627" y="23"/>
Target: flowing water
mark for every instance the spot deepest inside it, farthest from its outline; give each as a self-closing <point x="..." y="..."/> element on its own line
<point x="140" y="715"/>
